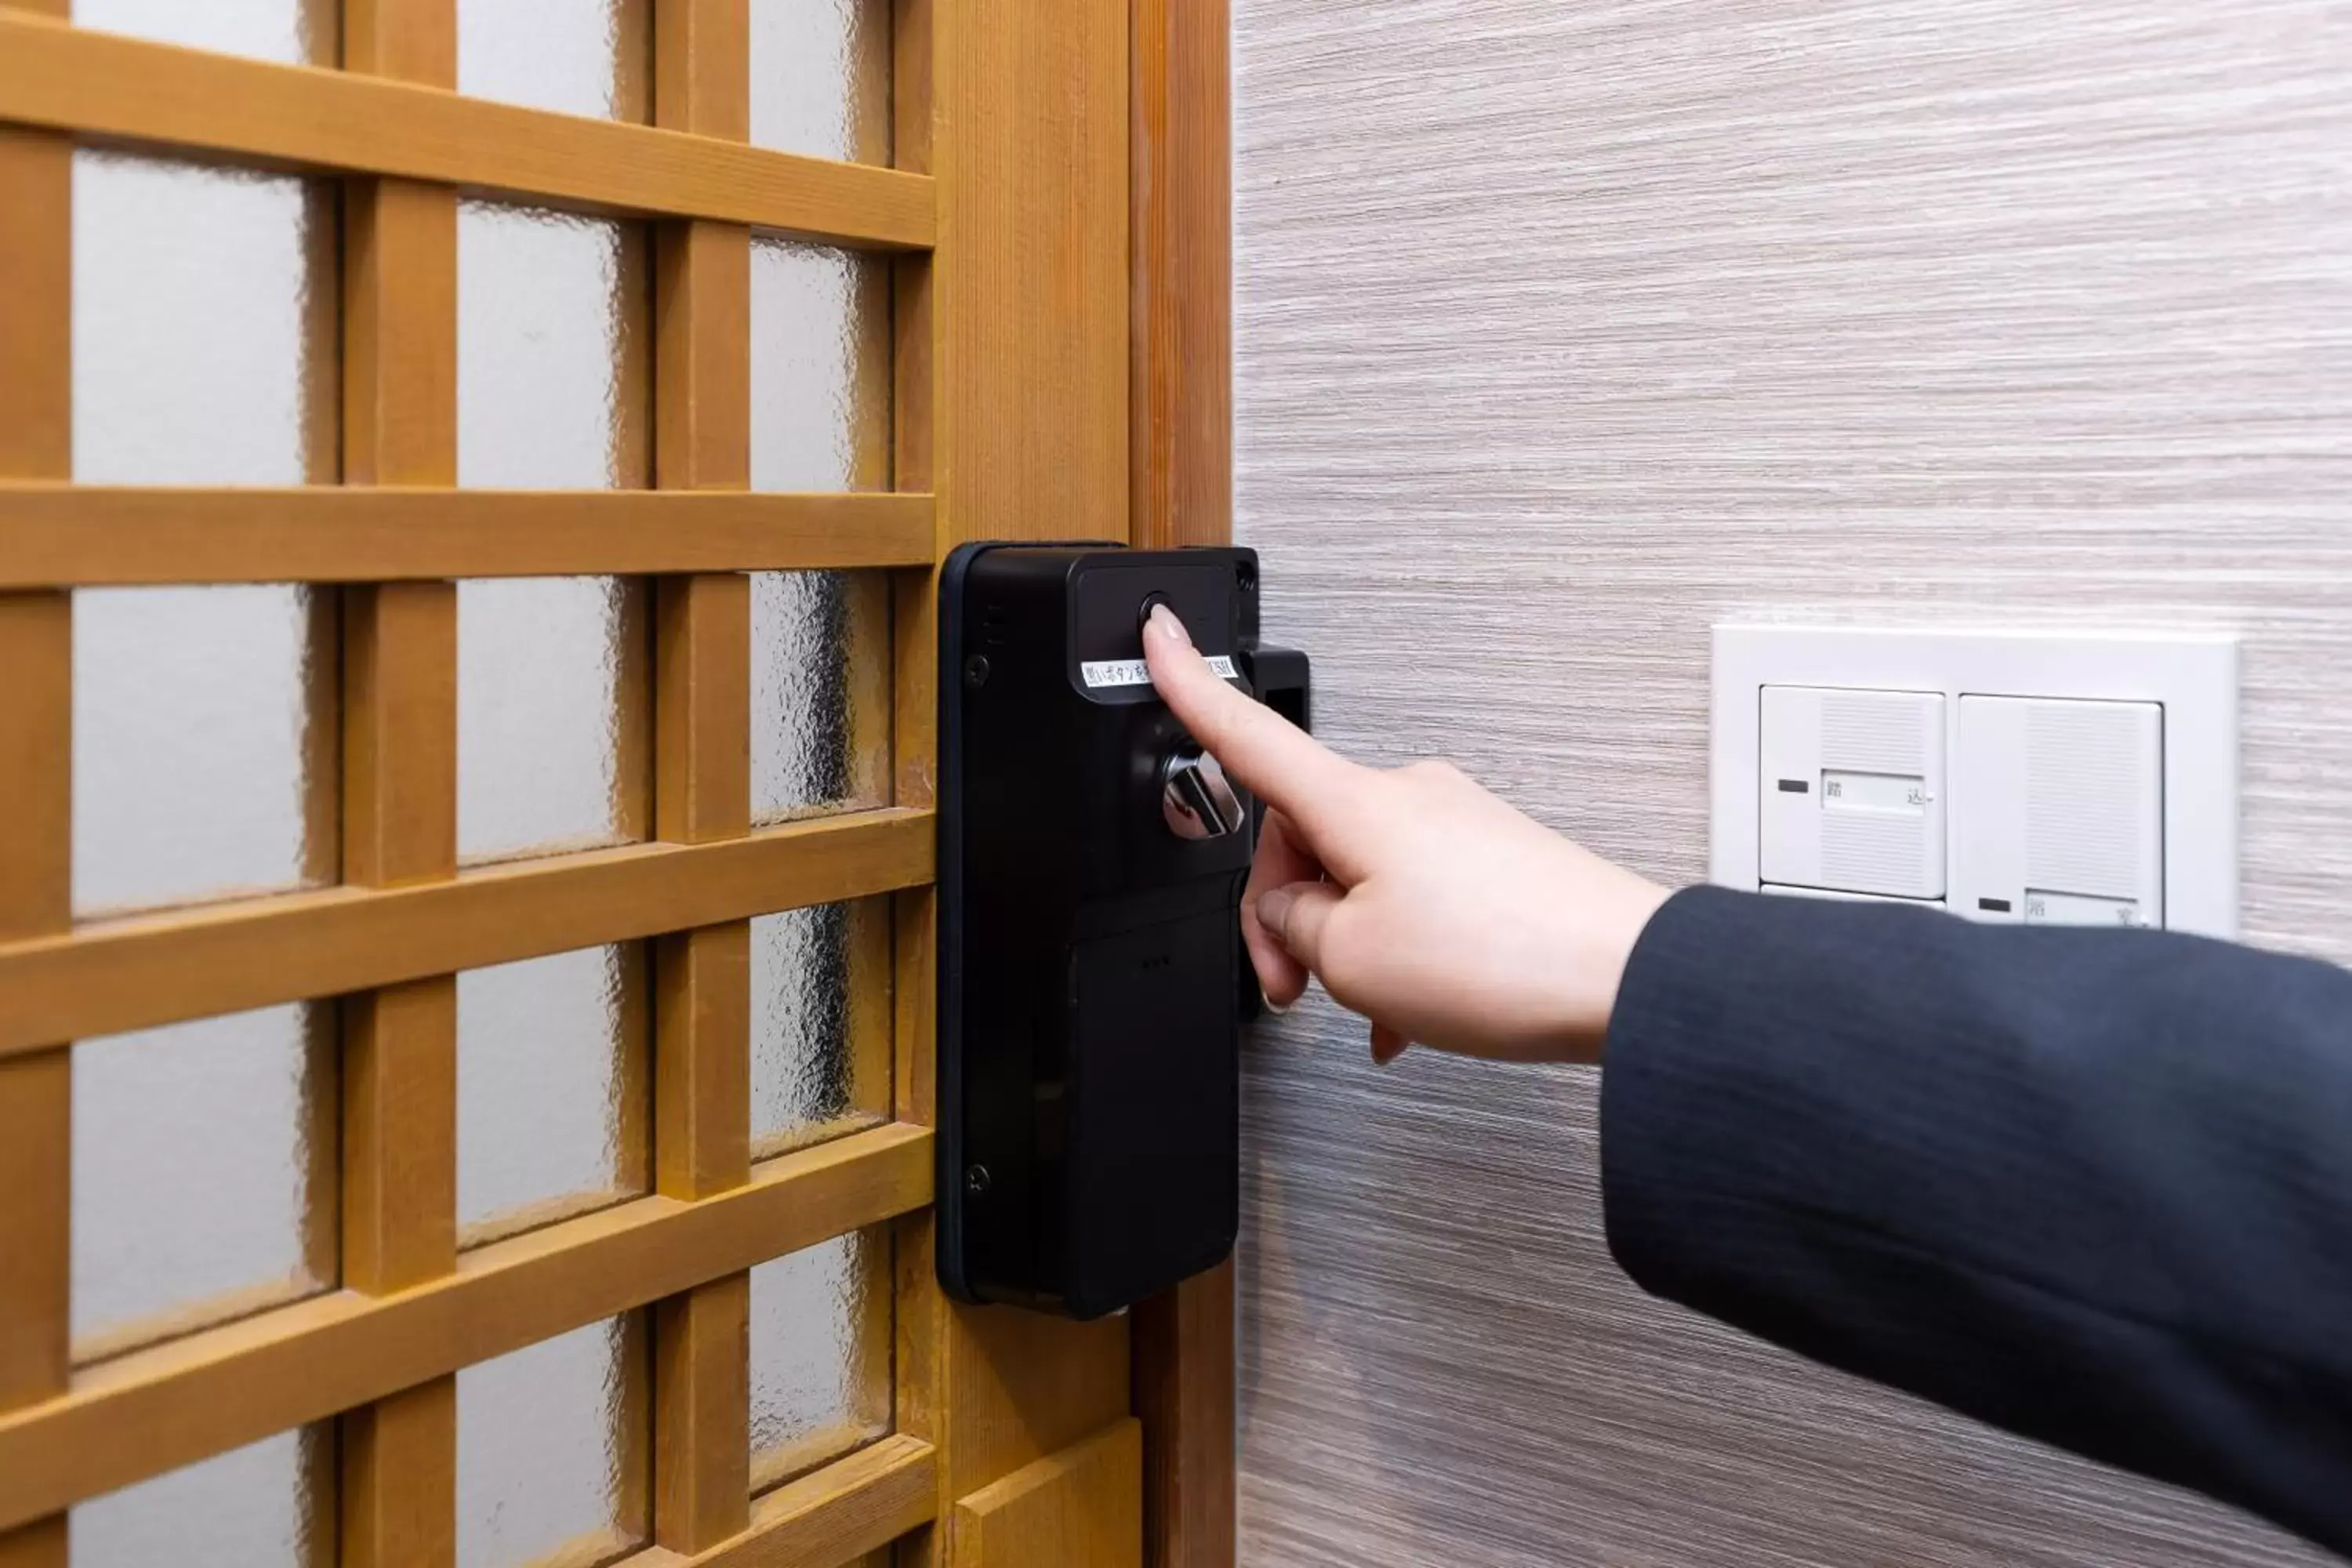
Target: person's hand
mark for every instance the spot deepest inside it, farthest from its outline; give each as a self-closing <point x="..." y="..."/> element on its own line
<point x="1419" y="900"/>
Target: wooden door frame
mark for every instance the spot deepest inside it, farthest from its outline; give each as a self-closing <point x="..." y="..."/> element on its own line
<point x="1038" y="390"/>
<point x="1181" y="402"/>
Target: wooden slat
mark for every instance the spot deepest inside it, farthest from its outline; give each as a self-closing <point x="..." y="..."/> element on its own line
<point x="701" y="1457"/>
<point x="1182" y="402"/>
<point x="59" y="535"/>
<point x="1184" y="1394"/>
<point x="1078" y="1508"/>
<point x="1182" y="396"/>
<point x="826" y="1519"/>
<point x="400" y="742"/>
<point x="35" y="1119"/>
<point x="701" y="1396"/>
<point x="155" y="1410"/>
<point x="703" y="310"/>
<point x="702" y="1060"/>
<point x="101" y="84"/>
<point x="398" y="1456"/>
<point x="1032" y="368"/>
<point x="1019" y="113"/>
<point x="918" y="1306"/>
<point x="36" y="1104"/>
<point x="36" y="756"/>
<point x="36" y="281"/>
<point x="398" y="1490"/>
<point x="223" y="958"/>
<point x="35" y="821"/>
<point x="400" y="1176"/>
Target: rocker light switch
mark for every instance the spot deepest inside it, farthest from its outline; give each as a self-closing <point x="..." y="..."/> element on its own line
<point x="1850" y="791"/>
<point x="2062" y="812"/>
<point x="2039" y="776"/>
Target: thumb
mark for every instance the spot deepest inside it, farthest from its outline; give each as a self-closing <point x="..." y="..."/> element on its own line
<point x="1298" y="917"/>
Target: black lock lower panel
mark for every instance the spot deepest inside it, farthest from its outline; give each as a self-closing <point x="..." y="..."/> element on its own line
<point x="1089" y="980"/>
<point x="1154" y="1122"/>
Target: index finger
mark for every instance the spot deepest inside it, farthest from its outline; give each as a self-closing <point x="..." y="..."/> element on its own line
<point x="1280" y="763"/>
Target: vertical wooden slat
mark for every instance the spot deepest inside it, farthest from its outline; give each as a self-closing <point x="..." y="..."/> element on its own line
<point x="398" y="1457"/>
<point x="920" y="1310"/>
<point x="1180" y="398"/>
<point x="1012" y="408"/>
<point x="322" y="455"/>
<point x="35" y="1091"/>
<point x="37" y="784"/>
<point x="1182" y="395"/>
<point x="702" y="748"/>
<point x="1184" y="1392"/>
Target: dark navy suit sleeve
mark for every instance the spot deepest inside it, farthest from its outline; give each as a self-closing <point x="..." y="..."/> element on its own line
<point x="2094" y="1187"/>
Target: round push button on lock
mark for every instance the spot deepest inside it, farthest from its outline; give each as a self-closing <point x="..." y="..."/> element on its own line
<point x="1151" y="602"/>
<point x="1195" y="799"/>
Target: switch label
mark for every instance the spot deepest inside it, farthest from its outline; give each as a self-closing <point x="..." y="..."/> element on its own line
<point x="2045" y="909"/>
<point x="1905" y="793"/>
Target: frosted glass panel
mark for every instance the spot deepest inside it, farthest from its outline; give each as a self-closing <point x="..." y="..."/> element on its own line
<point x="203" y="1173"/>
<point x="267" y="1505"/>
<point x="280" y="30"/>
<point x="548" y="306"/>
<point x="820" y="1046"/>
<point x="201" y="764"/>
<point x="549" y="1452"/>
<point x="821" y="78"/>
<point x="203" y="325"/>
<point x="551" y="1085"/>
<point x="564" y="55"/>
<point x="819" y="697"/>
<point x="820" y="368"/>
<point x="543" y="667"/>
<point x="549" y="396"/>
<point x="820" y="1355"/>
<point x="202" y="768"/>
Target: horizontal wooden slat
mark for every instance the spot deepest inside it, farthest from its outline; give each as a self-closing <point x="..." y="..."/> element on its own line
<point x="102" y="85"/>
<point x="829" y="1517"/>
<point x="77" y="536"/>
<point x="156" y="1409"/>
<point x="222" y="958"/>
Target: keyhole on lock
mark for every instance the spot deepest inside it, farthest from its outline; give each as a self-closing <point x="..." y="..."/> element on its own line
<point x="1195" y="800"/>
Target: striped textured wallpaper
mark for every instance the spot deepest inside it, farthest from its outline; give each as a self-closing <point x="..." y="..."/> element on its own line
<point x="1567" y="327"/>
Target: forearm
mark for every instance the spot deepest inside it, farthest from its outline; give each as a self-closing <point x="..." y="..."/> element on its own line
<point x="2095" y="1187"/>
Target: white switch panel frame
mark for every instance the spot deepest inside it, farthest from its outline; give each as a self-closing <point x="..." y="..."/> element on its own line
<point x="2193" y="674"/>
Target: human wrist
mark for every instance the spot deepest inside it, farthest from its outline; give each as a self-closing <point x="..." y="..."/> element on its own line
<point x="1614" y="922"/>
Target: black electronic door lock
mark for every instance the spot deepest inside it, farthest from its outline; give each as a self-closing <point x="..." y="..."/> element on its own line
<point x="1092" y="985"/>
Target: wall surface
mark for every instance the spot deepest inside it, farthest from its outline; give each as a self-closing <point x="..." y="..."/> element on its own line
<point x="1567" y="327"/>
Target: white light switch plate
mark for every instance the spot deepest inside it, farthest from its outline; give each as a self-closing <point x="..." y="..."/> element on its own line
<point x="2193" y="676"/>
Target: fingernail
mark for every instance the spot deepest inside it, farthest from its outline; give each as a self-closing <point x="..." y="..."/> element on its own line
<point x="1274" y="909"/>
<point x="1164" y="621"/>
